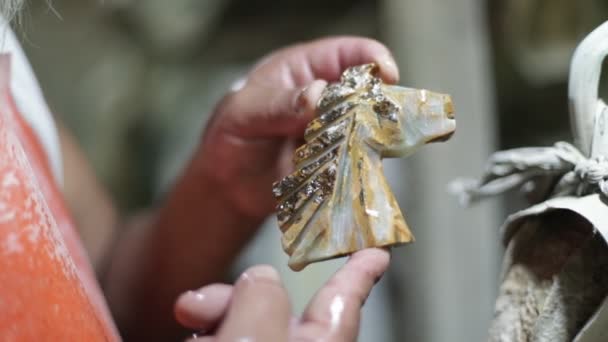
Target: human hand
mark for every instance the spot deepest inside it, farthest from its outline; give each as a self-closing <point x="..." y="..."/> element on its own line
<point x="257" y="307"/>
<point x="251" y="136"/>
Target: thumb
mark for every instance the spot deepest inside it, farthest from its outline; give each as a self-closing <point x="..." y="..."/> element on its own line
<point x="257" y="111"/>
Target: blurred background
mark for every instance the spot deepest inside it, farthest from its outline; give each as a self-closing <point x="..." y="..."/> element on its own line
<point x="137" y="79"/>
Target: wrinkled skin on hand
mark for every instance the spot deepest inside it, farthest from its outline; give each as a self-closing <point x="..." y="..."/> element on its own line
<point x="250" y="139"/>
<point x="257" y="307"/>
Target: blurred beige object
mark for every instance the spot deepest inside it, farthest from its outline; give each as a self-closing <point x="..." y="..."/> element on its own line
<point x="541" y="34"/>
<point x="555" y="278"/>
<point x="338" y="200"/>
<point x="445" y="281"/>
<point x="172" y="29"/>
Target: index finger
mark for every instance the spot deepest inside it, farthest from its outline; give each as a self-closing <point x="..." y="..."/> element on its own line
<point x="335" y="310"/>
<point x="259" y="308"/>
<point x="329" y="57"/>
<point x="326" y="59"/>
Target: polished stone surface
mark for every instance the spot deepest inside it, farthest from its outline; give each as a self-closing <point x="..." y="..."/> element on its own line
<point x="338" y="200"/>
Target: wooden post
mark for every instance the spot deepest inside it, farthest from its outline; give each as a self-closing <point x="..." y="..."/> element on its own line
<point x="447" y="279"/>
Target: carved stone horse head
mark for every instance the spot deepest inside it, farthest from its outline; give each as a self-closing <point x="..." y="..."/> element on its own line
<point x="338" y="201"/>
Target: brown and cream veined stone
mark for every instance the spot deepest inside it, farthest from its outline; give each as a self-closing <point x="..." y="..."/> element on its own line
<point x="338" y="201"/>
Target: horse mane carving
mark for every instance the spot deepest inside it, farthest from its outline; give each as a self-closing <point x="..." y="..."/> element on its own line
<point x="338" y="201"/>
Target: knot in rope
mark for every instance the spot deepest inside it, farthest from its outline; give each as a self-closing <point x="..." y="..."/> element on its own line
<point x="594" y="171"/>
<point x="526" y="167"/>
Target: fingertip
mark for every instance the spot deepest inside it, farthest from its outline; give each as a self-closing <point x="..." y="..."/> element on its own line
<point x="383" y="254"/>
<point x="260" y="308"/>
<point x="329" y="57"/>
<point x="202" y="308"/>
<point x="183" y="307"/>
<point x="374" y="260"/>
<point x="388" y="69"/>
<point x="338" y="304"/>
<point x="375" y="51"/>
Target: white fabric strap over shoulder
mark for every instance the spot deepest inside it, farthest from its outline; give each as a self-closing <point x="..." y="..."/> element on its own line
<point x="30" y="100"/>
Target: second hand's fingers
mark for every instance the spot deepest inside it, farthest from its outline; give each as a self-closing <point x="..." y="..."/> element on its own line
<point x="335" y="310"/>
<point x="204" y="308"/>
<point x="259" y="310"/>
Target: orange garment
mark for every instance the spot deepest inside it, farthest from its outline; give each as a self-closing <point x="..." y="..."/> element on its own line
<point x="48" y="289"/>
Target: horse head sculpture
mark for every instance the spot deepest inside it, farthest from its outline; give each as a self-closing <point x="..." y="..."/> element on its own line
<point x="338" y="200"/>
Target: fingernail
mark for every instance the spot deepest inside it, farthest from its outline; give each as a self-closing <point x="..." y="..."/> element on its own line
<point x="300" y="103"/>
<point x="193" y="301"/>
<point x="387" y="63"/>
<point x="193" y="296"/>
<point x="261" y="272"/>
